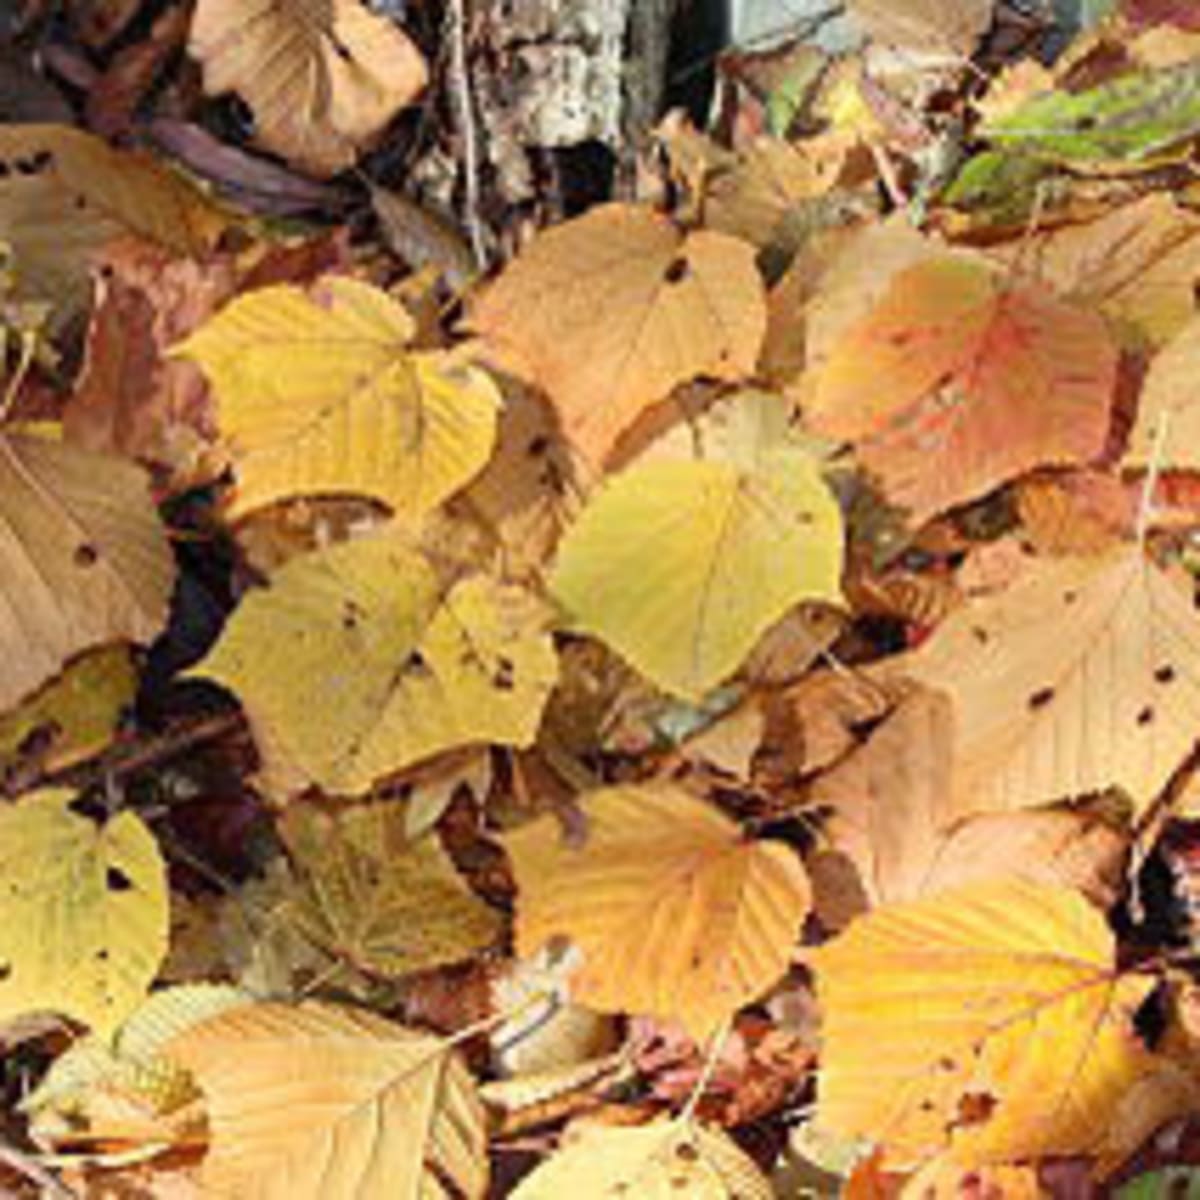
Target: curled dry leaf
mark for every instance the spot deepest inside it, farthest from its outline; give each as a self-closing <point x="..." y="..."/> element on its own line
<point x="322" y="80"/>
<point x="675" y="914"/>
<point x="82" y="546"/>
<point x="612" y="310"/>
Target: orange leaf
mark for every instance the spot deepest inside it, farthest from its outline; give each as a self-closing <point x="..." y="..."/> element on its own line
<point x="985" y="379"/>
<point x="610" y="311"/>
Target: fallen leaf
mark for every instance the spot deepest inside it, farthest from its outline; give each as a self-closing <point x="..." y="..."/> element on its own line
<point x="64" y="193"/>
<point x="317" y="395"/>
<point x="988" y="378"/>
<point x="1080" y="512"/>
<point x="1078" y="678"/>
<point x="322" y="81"/>
<point x="1168" y="416"/>
<point x="667" y="1160"/>
<point x="989" y="1022"/>
<point x="316" y="1101"/>
<point x="949" y="28"/>
<point x="83" y="549"/>
<point x="369" y="896"/>
<point x="675" y="914"/>
<point x="681" y="566"/>
<point x="352" y="665"/>
<point x="612" y="310"/>
<point x="83" y="917"/>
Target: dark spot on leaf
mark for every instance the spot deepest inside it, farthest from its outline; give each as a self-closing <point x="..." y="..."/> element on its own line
<point x="117" y="881"/>
<point x="1165" y="674"/>
<point x="85" y="555"/>
<point x="538" y="446"/>
<point x="5" y="971"/>
<point x="1146" y="716"/>
<point x="351" y="615"/>
<point x="1040" y="698"/>
<point x="687" y="1152"/>
<point x="677" y="271"/>
<point x="415" y="664"/>
<point x="502" y="677"/>
<point x="5" y="170"/>
<point x="980" y="634"/>
<point x="1070" y="597"/>
<point x="102" y="955"/>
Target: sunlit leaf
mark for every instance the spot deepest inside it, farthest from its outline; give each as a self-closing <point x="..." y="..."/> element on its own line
<point x="675" y="913"/>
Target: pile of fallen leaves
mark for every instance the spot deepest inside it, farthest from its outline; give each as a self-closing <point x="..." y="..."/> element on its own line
<point x="709" y="708"/>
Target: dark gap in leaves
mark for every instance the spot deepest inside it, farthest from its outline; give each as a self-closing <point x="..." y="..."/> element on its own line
<point x="117" y="881"/>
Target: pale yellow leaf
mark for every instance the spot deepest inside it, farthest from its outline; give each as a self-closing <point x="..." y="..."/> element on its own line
<point x="352" y="665"/>
<point x="64" y="193"/>
<point x="669" y="1160"/>
<point x="322" y="79"/>
<point x="675" y="913"/>
<point x="317" y="394"/>
<point x="83" y="914"/>
<point x="681" y="566"/>
<point x="1079" y="677"/>
<point x="83" y="556"/>
<point x="315" y="1102"/>
<point x="612" y="310"/>
<point x="988" y="1021"/>
<point x="383" y="903"/>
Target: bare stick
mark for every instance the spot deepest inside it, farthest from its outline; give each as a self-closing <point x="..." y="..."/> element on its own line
<point x="461" y="80"/>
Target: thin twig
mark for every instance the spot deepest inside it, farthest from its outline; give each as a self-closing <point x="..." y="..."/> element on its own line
<point x="28" y="1166"/>
<point x="461" y="90"/>
<point x="1150" y="485"/>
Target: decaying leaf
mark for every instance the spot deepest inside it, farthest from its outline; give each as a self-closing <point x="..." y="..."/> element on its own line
<point x="674" y="913"/>
<point x="989" y="1021"/>
<point x="1168" y="418"/>
<point x="315" y="1101"/>
<point x="374" y="898"/>
<point x="352" y="665"/>
<point x="671" y="1160"/>
<point x="83" y="557"/>
<point x="681" y="566"/>
<point x="318" y="395"/>
<point x="323" y="80"/>
<point x="1080" y="677"/>
<point x="83" y="917"/>
<point x="612" y="310"/>
<point x="63" y="193"/>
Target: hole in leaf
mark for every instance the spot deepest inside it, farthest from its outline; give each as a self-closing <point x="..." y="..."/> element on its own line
<point x="1040" y="698"/>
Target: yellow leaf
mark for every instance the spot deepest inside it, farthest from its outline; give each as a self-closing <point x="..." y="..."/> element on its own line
<point x="1081" y="676"/>
<point x="317" y="1102"/>
<point x="74" y="716"/>
<point x="613" y="309"/>
<point x="380" y="902"/>
<point x="318" y="395"/>
<point x="989" y="1021"/>
<point x="63" y="193"/>
<point x="83" y="557"/>
<point x="83" y="911"/>
<point x="681" y="566"/>
<point x="351" y="666"/>
<point x="322" y="80"/>
<point x="675" y="913"/>
<point x="669" y="1160"/>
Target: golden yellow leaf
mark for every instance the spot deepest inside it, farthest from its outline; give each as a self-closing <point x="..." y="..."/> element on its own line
<point x="1079" y="677"/>
<point x="675" y="913"/>
<point x="988" y="1021"/>
<point x="73" y="716"/>
<point x="63" y="193"/>
<point x="666" y="1160"/>
<point x="315" y="1102"/>
<point x="83" y="557"/>
<point x="351" y="665"/>
<point x="681" y="566"/>
<point x="322" y="79"/>
<point x="373" y="898"/>
<point x="83" y="915"/>
<point x="317" y="394"/>
<point x="612" y="310"/>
